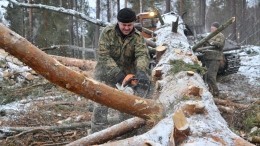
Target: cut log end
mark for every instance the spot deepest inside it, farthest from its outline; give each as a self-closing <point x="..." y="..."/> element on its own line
<point x="181" y="127"/>
<point x="190" y="73"/>
<point x="160" y="50"/>
<point x="194" y="91"/>
<point x="194" y="108"/>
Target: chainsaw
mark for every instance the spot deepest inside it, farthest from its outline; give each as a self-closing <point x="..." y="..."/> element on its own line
<point x="134" y="86"/>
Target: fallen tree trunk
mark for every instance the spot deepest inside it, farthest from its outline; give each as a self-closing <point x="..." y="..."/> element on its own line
<point x="71" y="126"/>
<point x="87" y="65"/>
<point x="110" y="133"/>
<point x="73" y="81"/>
<point x="230" y="103"/>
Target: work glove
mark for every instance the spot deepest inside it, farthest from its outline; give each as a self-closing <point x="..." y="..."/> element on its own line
<point x="120" y="77"/>
<point x="143" y="87"/>
<point x="115" y="75"/>
<point x="141" y="76"/>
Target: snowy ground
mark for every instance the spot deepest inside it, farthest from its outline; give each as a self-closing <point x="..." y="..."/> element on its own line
<point x="244" y="85"/>
<point x="250" y="66"/>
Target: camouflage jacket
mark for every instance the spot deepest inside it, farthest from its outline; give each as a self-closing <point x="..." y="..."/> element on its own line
<point x="218" y="41"/>
<point x="116" y="54"/>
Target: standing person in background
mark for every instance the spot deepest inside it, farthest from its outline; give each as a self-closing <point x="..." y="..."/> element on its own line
<point x="121" y="51"/>
<point x="212" y="59"/>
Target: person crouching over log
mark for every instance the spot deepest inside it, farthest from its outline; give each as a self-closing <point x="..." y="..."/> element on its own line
<point x="121" y="51"/>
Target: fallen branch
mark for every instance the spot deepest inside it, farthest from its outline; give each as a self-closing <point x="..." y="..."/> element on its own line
<point x="49" y="128"/>
<point x="230" y="103"/>
<point x="87" y="65"/>
<point x="110" y="133"/>
<point x="225" y="109"/>
<point x="33" y="131"/>
<point x="60" y="10"/>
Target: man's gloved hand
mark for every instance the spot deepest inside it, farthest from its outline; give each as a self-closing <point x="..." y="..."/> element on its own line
<point x="120" y="77"/>
<point x="141" y="75"/>
<point x="143" y="87"/>
<point x="115" y="75"/>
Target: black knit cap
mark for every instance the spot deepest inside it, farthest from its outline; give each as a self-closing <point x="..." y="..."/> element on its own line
<point x="215" y="24"/>
<point x="126" y="15"/>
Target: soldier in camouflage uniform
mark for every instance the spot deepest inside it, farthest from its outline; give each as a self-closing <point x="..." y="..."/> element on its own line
<point x="212" y="59"/>
<point x="122" y="50"/>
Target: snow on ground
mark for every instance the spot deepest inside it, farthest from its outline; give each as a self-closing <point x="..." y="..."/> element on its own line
<point x="244" y="85"/>
<point x="250" y="64"/>
<point x="3" y="3"/>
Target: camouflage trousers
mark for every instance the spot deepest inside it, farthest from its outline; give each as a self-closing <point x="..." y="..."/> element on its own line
<point x="99" y="119"/>
<point x="211" y="75"/>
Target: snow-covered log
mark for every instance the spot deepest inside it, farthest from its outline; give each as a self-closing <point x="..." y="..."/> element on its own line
<point x="185" y="93"/>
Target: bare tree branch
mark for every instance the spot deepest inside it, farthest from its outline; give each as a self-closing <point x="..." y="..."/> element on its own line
<point x="61" y="10"/>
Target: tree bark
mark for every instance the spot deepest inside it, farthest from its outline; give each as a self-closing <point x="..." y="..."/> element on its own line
<point x="175" y="25"/>
<point x="125" y="3"/>
<point x="71" y="23"/>
<point x="30" y="18"/>
<point x="230" y="103"/>
<point x="108" y="11"/>
<point x="73" y="81"/>
<point x="160" y="50"/>
<point x="110" y="133"/>
<point x="168" y="6"/>
<point x="86" y="65"/>
<point x="118" y="6"/>
<point x="181" y="127"/>
<point x="97" y="32"/>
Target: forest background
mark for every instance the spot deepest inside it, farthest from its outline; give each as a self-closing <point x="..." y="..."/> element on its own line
<point x="45" y="28"/>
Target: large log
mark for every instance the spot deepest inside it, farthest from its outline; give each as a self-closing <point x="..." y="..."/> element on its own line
<point x="230" y="103"/>
<point x="110" y="133"/>
<point x="87" y="65"/>
<point x="73" y="81"/>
